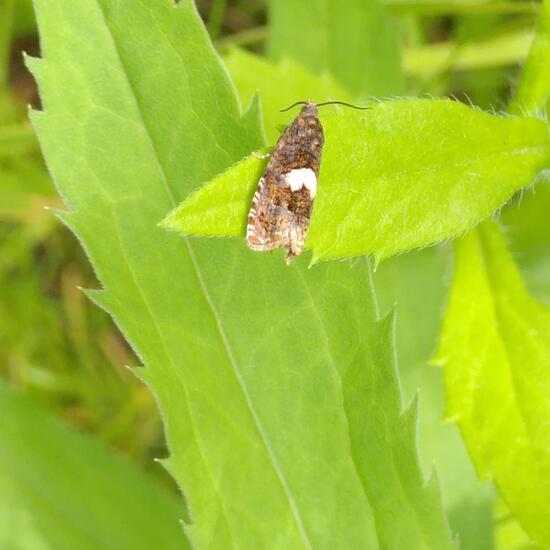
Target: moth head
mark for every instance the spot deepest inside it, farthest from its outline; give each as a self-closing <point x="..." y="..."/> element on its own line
<point x="309" y="109"/>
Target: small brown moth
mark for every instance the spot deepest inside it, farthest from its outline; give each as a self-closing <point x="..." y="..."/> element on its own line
<point x="281" y="208"/>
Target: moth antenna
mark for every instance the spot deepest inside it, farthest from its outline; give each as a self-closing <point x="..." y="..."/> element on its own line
<point x="294" y="105"/>
<point x="326" y="103"/>
<point x="343" y="103"/>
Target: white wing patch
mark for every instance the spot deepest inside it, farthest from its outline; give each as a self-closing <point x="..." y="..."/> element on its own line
<point x="302" y="177"/>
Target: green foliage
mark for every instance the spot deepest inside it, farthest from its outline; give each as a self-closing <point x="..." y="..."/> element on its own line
<point x="494" y="326"/>
<point x="469" y="507"/>
<point x="529" y="233"/>
<point x="354" y="40"/>
<point x="534" y="89"/>
<point x="6" y="19"/>
<point x="467" y="501"/>
<point x="252" y="74"/>
<point x="496" y="349"/>
<point x="61" y="490"/>
<point x="278" y="386"/>
<point x="381" y="190"/>
<point x="248" y="359"/>
<point x="384" y="451"/>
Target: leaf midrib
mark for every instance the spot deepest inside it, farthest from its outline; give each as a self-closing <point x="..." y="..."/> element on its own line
<point x="341" y="408"/>
<point x="221" y="332"/>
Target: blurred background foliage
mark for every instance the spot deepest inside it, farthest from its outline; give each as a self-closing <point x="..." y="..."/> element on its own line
<point x="60" y="349"/>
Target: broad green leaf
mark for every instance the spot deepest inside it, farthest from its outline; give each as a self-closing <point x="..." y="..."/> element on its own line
<point x="496" y="349"/>
<point x="252" y="73"/>
<point x="392" y="435"/>
<point x="245" y="355"/>
<point x="403" y="175"/>
<point x="528" y="235"/>
<point x="60" y="490"/>
<point x="355" y="40"/>
<point x="419" y="314"/>
<point x="470" y="511"/>
<point x="508" y="534"/>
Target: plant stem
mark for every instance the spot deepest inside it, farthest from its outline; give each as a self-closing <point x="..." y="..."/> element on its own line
<point x="503" y="50"/>
<point x="244" y="38"/>
<point x="6" y="21"/>
<point x="216" y="17"/>
<point x="467" y="7"/>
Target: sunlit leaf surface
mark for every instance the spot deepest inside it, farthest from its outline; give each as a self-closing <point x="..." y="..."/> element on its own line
<point x="248" y="358"/>
<point x="405" y="174"/>
<point x="496" y="351"/>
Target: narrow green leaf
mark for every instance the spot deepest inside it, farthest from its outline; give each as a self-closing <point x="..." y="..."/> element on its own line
<point x="467" y="501"/>
<point x="460" y="7"/>
<point x="527" y="219"/>
<point x="246" y="356"/>
<point x="496" y="349"/>
<point x="6" y="24"/>
<point x="383" y="189"/>
<point x="527" y="227"/>
<point x="533" y="92"/>
<point x="60" y="490"/>
<point x="216" y="17"/>
<point x="355" y="40"/>
<point x="505" y="49"/>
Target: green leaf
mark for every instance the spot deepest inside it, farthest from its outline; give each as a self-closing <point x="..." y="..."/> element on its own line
<point x="467" y="501"/>
<point x="6" y="22"/>
<point x="504" y="49"/>
<point x="382" y="189"/>
<point x="508" y="534"/>
<point x="252" y="73"/>
<point x="527" y="219"/>
<point x="533" y="92"/>
<point x="354" y="40"/>
<point x="384" y="451"/>
<point x="459" y="7"/>
<point x="527" y="227"/>
<point x="496" y="349"/>
<point x="61" y="490"/>
<point x="246" y="356"/>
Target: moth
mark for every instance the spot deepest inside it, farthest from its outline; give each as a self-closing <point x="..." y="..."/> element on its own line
<point x="282" y="204"/>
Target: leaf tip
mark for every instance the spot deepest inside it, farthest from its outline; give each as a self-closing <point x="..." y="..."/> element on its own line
<point x="437" y="361"/>
<point x="97" y="296"/>
<point x="64" y="216"/>
<point x="170" y="221"/>
<point x="32" y="63"/>
<point x="315" y="258"/>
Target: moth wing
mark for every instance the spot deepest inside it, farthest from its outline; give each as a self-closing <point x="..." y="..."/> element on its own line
<point x="258" y="229"/>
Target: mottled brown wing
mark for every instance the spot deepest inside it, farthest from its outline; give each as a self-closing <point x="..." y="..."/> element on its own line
<point x="281" y="208"/>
